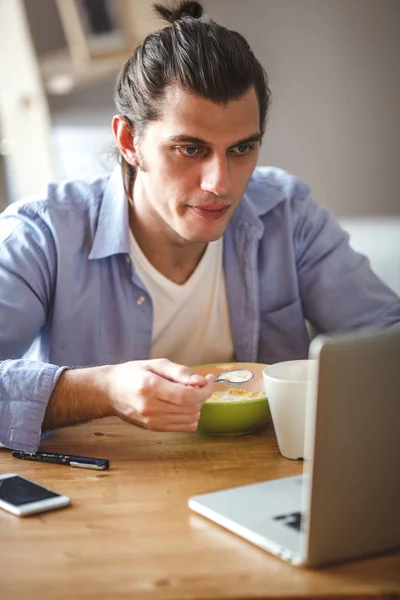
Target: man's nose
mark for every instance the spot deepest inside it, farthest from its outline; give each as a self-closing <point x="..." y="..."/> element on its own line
<point x="215" y="177"/>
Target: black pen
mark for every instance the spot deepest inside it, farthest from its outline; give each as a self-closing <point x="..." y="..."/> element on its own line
<point x="85" y="462"/>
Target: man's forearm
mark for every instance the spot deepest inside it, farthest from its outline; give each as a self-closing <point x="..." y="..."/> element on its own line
<point x="80" y="395"/>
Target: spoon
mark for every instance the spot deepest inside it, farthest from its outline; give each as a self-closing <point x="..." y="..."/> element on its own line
<point x="235" y="377"/>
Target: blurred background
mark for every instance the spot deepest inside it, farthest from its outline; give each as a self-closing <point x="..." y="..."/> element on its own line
<point x="334" y="72"/>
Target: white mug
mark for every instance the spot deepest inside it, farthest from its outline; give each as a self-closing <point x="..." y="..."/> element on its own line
<point x="286" y="388"/>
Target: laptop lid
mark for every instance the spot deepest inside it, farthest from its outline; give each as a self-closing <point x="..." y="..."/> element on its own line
<point x="353" y="435"/>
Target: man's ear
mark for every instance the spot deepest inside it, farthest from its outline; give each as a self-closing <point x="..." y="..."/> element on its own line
<point x="124" y="137"/>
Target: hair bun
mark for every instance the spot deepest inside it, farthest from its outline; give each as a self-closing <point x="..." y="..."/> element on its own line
<point x="185" y="8"/>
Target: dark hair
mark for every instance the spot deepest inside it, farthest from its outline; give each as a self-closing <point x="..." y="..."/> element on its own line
<point x="196" y="53"/>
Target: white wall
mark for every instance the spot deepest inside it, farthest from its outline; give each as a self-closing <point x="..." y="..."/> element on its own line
<point x="334" y="68"/>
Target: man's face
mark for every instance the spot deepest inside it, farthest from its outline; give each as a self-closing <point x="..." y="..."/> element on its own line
<point x="194" y="165"/>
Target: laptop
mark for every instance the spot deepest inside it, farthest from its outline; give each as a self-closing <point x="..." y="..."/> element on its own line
<point x="346" y="505"/>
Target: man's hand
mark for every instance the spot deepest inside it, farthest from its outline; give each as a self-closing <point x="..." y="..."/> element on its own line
<point x="158" y="394"/>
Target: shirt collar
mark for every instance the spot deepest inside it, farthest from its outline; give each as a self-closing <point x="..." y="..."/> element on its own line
<point x="112" y="232"/>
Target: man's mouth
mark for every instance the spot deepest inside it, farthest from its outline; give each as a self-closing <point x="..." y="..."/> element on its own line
<point x="210" y="212"/>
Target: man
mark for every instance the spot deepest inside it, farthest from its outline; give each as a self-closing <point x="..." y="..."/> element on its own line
<point x="110" y="288"/>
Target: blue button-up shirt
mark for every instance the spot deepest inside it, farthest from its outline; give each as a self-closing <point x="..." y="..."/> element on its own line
<point x="70" y="297"/>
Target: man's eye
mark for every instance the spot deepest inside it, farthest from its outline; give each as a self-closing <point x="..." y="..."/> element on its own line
<point x="242" y="148"/>
<point x="189" y="150"/>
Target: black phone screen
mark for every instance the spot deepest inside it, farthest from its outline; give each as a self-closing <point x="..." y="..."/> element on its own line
<point x="18" y="491"/>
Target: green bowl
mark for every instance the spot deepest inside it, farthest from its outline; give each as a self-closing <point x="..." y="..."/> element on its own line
<point x="239" y="416"/>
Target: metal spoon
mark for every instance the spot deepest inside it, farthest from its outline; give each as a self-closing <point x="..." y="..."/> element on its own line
<point x="235" y="377"/>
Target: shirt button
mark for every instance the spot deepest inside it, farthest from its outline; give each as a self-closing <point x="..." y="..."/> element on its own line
<point x="140" y="299"/>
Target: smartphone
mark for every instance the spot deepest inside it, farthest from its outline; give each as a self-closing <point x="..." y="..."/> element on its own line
<point x="22" y="497"/>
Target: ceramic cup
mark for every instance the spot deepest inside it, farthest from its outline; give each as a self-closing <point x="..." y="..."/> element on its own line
<point x="286" y="389"/>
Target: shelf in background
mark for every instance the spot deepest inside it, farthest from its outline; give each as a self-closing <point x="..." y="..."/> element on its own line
<point x="61" y="76"/>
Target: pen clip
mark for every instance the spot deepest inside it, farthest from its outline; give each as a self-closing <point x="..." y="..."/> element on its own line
<point x="99" y="467"/>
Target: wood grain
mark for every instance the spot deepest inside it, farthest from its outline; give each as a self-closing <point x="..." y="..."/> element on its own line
<point x="129" y="532"/>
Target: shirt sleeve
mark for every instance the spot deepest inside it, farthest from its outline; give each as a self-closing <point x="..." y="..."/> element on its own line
<point x="338" y="288"/>
<point x="25" y="389"/>
<point x="27" y="271"/>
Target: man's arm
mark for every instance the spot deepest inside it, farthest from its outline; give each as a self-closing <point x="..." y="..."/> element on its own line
<point x="157" y="394"/>
<point x="27" y="272"/>
<point x="80" y="395"/>
<point x="338" y="288"/>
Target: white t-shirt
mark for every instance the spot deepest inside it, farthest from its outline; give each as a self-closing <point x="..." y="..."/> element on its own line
<point x="190" y="321"/>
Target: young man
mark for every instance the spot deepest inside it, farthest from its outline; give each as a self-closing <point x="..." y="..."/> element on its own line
<point x="191" y="254"/>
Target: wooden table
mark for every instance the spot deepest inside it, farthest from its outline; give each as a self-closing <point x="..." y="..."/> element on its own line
<point x="129" y="532"/>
